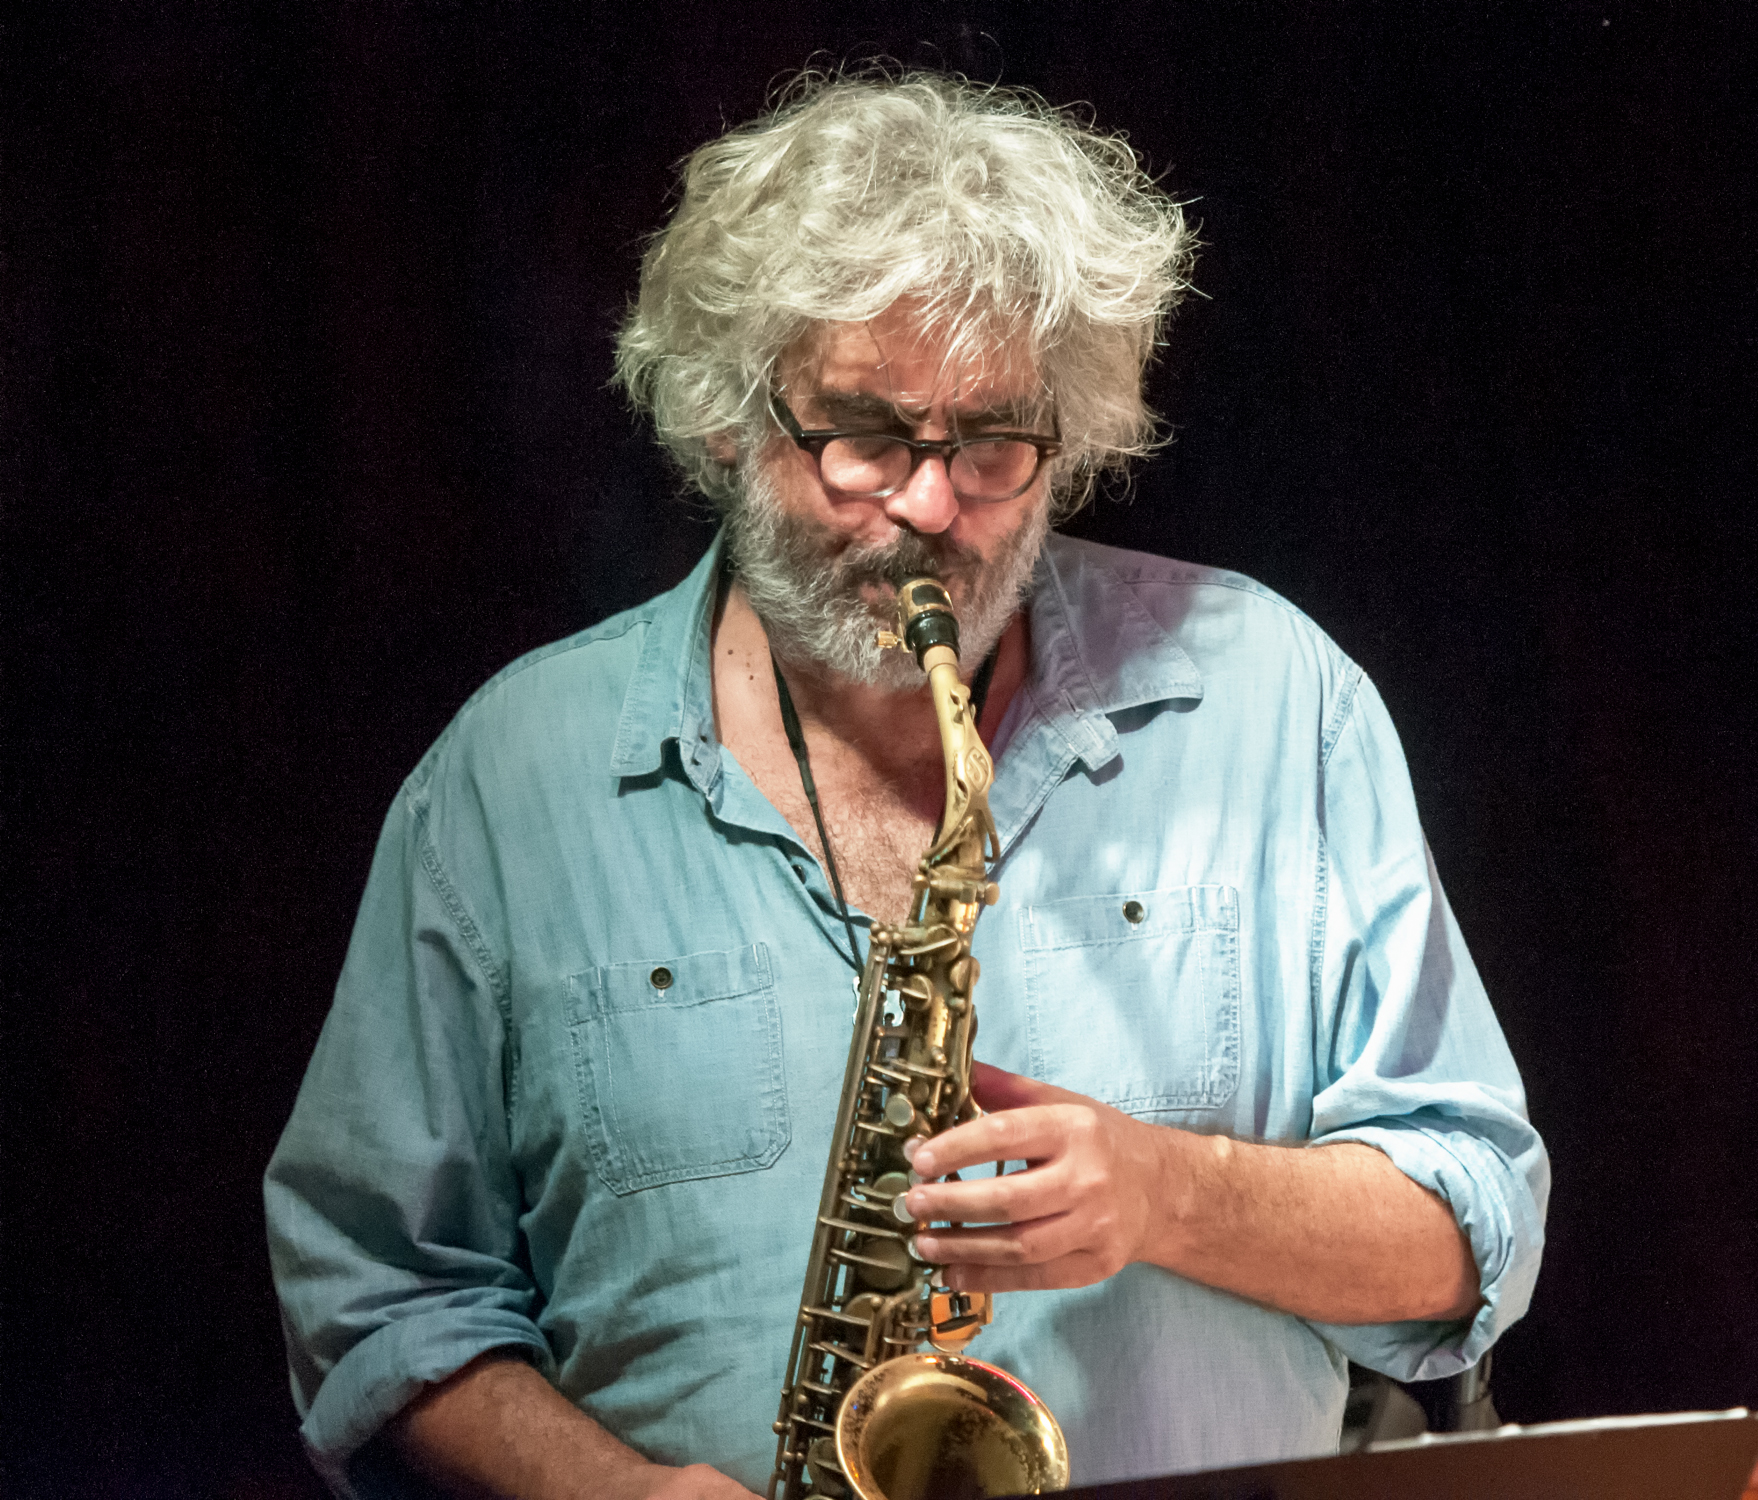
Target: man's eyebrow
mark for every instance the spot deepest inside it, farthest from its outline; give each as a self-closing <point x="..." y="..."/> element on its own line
<point x="858" y="406"/>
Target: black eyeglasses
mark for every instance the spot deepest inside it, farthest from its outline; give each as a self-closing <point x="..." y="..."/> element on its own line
<point x="869" y="465"/>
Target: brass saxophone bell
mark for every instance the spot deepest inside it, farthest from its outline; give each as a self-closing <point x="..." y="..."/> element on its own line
<point x="941" y="1427"/>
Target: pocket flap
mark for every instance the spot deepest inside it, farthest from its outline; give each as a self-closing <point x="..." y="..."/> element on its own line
<point x="1081" y="921"/>
<point x="693" y="979"/>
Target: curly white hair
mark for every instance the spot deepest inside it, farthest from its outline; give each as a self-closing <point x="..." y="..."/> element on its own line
<point x="1004" y="219"/>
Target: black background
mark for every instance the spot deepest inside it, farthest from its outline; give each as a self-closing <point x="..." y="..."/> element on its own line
<point x="308" y="318"/>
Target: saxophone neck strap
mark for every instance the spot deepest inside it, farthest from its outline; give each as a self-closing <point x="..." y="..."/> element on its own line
<point x="796" y="742"/>
<point x="980" y="685"/>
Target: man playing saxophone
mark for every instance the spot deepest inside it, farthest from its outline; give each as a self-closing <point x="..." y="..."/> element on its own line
<point x="540" y="1216"/>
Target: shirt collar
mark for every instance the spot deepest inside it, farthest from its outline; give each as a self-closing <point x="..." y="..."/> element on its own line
<point x="1095" y="651"/>
<point x="670" y="694"/>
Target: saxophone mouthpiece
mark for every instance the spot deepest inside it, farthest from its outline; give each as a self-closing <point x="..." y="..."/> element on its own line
<point x="925" y="617"/>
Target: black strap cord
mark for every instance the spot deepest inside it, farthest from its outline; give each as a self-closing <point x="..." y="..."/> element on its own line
<point x="796" y="741"/>
<point x="980" y="684"/>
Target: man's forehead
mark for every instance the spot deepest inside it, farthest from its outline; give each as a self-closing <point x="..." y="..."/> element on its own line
<point x="914" y="364"/>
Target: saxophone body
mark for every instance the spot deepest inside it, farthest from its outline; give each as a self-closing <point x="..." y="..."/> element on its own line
<point x="863" y="1413"/>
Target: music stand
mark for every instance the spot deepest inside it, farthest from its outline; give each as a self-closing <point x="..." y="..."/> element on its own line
<point x="1676" y="1456"/>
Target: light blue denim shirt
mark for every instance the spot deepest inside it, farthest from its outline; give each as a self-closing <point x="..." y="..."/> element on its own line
<point x="511" y="1135"/>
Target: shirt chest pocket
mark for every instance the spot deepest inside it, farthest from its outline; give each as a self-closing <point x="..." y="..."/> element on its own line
<point x="679" y="1067"/>
<point x="1133" y="999"/>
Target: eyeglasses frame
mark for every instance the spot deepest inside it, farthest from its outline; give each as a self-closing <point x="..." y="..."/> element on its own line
<point x="814" y="441"/>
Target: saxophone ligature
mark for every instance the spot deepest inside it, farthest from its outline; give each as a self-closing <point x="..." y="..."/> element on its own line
<point x="865" y="1412"/>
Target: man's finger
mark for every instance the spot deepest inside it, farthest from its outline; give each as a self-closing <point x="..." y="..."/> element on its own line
<point x="1032" y="1243"/>
<point x="1013" y="1135"/>
<point x="1068" y="1271"/>
<point x="1012" y="1199"/>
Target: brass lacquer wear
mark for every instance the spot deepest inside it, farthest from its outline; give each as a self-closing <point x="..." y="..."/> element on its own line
<point x="862" y="1412"/>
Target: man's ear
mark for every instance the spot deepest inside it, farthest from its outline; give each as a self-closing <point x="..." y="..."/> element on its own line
<point x="723" y="448"/>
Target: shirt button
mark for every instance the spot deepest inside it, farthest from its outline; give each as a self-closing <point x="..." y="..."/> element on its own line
<point x="661" y="978"/>
<point x="1133" y="911"/>
<point x="800" y="870"/>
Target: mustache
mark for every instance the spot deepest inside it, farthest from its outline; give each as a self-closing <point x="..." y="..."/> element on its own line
<point x="908" y="555"/>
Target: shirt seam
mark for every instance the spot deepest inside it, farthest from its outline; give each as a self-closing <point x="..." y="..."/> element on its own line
<point x="477" y="946"/>
<point x="1321" y="875"/>
<point x="603" y="633"/>
<point x="1341" y="714"/>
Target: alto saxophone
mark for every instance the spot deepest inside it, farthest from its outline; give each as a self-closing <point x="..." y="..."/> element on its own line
<point x="862" y="1412"/>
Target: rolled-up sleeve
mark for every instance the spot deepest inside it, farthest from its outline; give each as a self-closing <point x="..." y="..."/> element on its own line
<point x="391" y="1200"/>
<point x="1411" y="1058"/>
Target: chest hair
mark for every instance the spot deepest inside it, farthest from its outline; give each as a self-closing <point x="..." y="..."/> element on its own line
<point x="876" y="833"/>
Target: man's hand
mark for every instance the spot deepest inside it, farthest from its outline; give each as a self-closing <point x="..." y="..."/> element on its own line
<point x="1079" y="1212"/>
<point x="1333" y="1233"/>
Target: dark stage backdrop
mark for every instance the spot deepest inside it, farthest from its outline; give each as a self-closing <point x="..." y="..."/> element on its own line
<point x="308" y="319"/>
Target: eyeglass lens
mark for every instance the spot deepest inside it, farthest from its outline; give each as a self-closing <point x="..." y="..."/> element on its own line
<point x="981" y="469"/>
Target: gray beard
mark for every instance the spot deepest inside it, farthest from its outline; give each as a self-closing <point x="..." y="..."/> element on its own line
<point x="811" y="605"/>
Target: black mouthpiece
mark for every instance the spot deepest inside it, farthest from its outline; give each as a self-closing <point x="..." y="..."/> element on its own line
<point x="928" y="619"/>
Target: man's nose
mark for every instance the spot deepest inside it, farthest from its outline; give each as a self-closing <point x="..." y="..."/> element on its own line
<point x="926" y="504"/>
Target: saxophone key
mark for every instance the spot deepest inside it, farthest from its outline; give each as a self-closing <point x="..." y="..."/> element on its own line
<point x="848" y="1356"/>
<point x="887" y="1266"/>
<point x="868" y="1230"/>
<point x="827" y="1475"/>
<point x="849" y="1315"/>
<point x="900" y="1112"/>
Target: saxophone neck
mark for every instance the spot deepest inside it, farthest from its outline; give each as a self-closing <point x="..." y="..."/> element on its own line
<point x="927" y="627"/>
<point x="969" y="770"/>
